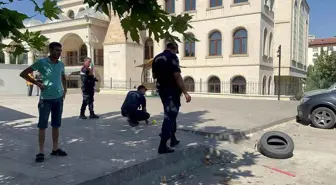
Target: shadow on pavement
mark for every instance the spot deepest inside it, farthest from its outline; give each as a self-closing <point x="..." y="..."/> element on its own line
<point x="99" y="147"/>
<point x="189" y="122"/>
<point x="7" y="114"/>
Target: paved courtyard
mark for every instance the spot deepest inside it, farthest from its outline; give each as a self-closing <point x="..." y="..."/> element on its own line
<point x="313" y="163"/>
<point x="203" y="114"/>
<point x="98" y="147"/>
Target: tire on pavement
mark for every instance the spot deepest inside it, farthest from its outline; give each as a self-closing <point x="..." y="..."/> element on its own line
<point x="323" y="117"/>
<point x="277" y="145"/>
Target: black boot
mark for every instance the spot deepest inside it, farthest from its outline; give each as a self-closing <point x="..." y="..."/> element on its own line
<point x="163" y="148"/>
<point x="93" y="115"/>
<point x="82" y="115"/>
<point x="174" y="141"/>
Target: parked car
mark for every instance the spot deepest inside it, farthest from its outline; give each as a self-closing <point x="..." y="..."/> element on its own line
<point x="318" y="108"/>
<point x="309" y="93"/>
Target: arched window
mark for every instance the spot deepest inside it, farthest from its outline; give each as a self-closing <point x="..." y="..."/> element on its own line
<point x="189" y="83"/>
<point x="270" y="45"/>
<point x="214" y="85"/>
<point x="189" y="5"/>
<point x="265" y="43"/>
<point x="238" y="85"/>
<point x="2" y="57"/>
<point x="215" y="48"/>
<point x="189" y="48"/>
<point x="263" y="92"/>
<point x="240" y="42"/>
<point x="269" y="85"/>
<point x="301" y="32"/>
<point x="240" y="1"/>
<point x="71" y="14"/>
<point x="295" y="39"/>
<point x="214" y="3"/>
<point x="170" y="6"/>
<point x="83" y="52"/>
<point x="271" y="4"/>
<point x="149" y="50"/>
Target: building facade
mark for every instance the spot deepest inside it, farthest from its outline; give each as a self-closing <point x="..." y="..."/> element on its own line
<point x="291" y="27"/>
<point x="316" y="46"/>
<point x="236" y="53"/>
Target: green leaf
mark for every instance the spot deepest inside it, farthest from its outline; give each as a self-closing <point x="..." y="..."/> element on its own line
<point x="50" y="9"/>
<point x="140" y="15"/>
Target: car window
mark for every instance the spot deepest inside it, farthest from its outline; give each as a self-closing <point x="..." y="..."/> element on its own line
<point x="333" y="86"/>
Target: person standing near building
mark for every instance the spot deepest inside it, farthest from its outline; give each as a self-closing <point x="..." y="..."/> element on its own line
<point x="38" y="78"/>
<point x="30" y="85"/>
<point x="53" y="91"/>
<point x="88" y="89"/>
<point x="169" y="83"/>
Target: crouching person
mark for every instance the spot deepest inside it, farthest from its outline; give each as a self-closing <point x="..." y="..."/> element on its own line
<point x="131" y="107"/>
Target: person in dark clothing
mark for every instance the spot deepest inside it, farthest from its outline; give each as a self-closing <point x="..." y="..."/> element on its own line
<point x="88" y="85"/>
<point x="38" y="78"/>
<point x="169" y="83"/>
<point x="131" y="105"/>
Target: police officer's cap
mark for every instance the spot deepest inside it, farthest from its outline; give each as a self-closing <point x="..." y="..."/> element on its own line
<point x="142" y="87"/>
<point x="172" y="45"/>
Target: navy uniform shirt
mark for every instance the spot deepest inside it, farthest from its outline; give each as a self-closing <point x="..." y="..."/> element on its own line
<point x="164" y="66"/>
<point x="88" y="81"/>
<point x="133" y="101"/>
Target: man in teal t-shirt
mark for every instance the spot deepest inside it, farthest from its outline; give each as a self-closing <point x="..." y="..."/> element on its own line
<point x="53" y="91"/>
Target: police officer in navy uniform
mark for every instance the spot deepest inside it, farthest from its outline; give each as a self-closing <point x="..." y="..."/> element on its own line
<point x="134" y="107"/>
<point x="88" y="89"/>
<point x="169" y="83"/>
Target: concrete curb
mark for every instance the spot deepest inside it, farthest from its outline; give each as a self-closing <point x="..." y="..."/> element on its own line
<point x="159" y="162"/>
<point x="236" y="136"/>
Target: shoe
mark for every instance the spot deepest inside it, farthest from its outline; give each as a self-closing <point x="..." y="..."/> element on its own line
<point x="164" y="149"/>
<point x="39" y="158"/>
<point x="82" y="115"/>
<point x="58" y="152"/>
<point x="132" y="123"/>
<point x="93" y="116"/>
<point x="174" y="141"/>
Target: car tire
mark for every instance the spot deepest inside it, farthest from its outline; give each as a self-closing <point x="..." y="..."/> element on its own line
<point x="276" y="145"/>
<point x="316" y="119"/>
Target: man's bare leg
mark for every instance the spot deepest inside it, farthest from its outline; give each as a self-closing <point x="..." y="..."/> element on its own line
<point x="41" y="139"/>
<point x="55" y="136"/>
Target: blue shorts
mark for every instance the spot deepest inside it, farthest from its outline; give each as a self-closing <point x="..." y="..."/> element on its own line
<point x="53" y="106"/>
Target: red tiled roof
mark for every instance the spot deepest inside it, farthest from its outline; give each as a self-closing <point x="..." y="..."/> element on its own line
<point x="323" y="42"/>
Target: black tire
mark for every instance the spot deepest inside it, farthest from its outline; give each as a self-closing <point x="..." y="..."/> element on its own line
<point x="319" y="118"/>
<point x="276" y="145"/>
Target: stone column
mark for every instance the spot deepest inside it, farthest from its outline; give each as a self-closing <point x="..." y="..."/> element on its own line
<point x="7" y="57"/>
<point x="30" y="57"/>
<point x="89" y="49"/>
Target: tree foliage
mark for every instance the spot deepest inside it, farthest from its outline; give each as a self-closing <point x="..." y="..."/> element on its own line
<point x="135" y="16"/>
<point x="139" y="15"/>
<point x="12" y="24"/>
<point x="323" y="74"/>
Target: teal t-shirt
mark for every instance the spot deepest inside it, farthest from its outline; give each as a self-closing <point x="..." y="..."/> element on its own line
<point x="51" y="77"/>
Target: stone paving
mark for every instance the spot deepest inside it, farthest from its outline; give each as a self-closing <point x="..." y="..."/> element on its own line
<point x="98" y="147"/>
<point x="313" y="163"/>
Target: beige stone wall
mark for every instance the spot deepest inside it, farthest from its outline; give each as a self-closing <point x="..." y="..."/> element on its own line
<point x="115" y="33"/>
